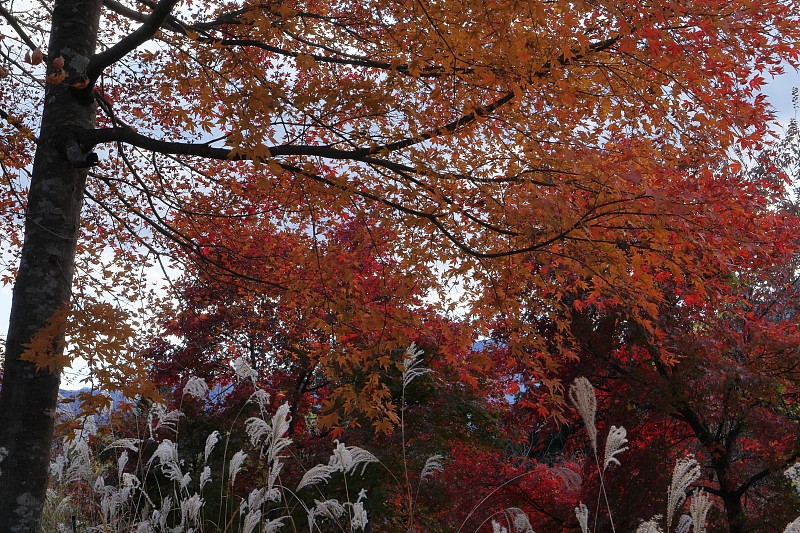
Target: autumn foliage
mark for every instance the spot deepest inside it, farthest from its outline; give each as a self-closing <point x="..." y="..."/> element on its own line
<point x="529" y="191"/>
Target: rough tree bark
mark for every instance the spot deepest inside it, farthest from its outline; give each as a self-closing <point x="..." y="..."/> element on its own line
<point x="43" y="285"/>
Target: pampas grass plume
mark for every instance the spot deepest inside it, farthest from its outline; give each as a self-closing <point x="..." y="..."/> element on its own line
<point x="581" y="394"/>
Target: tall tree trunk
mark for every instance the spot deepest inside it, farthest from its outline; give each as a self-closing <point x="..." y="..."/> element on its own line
<point x="734" y="512"/>
<point x="43" y="285"/>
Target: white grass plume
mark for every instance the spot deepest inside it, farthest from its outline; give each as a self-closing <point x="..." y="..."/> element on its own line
<point x="166" y="452"/>
<point x="196" y="387"/>
<point x="793" y="474"/>
<point x="497" y="528"/>
<point x="615" y="444"/>
<point x="190" y="510"/>
<point x="159" y="418"/>
<point x="359" y="518"/>
<point x="794" y="527"/>
<point x="345" y="459"/>
<point x="273" y="492"/>
<point x="651" y="526"/>
<point x="205" y="477"/>
<point x="271" y="434"/>
<point x="255" y="499"/>
<point x="251" y="521"/>
<point x="315" y="475"/>
<point x="261" y="398"/>
<point x="581" y="394"/>
<point x="236" y="464"/>
<point x="686" y="472"/>
<point x="161" y="516"/>
<point x="128" y="444"/>
<point x="331" y="509"/>
<point x="121" y="462"/>
<point x="411" y="362"/>
<point x="684" y="524"/>
<point x="211" y="441"/>
<point x="699" y="507"/>
<point x="243" y="370"/>
<point x="274" y="525"/>
<point x="520" y="520"/>
<point x="582" y="514"/>
<point x="432" y="465"/>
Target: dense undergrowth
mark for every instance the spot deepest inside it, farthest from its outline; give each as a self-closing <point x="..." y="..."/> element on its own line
<point x="138" y="470"/>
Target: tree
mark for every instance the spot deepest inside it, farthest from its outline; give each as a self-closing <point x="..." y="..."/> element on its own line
<point x="331" y="342"/>
<point x="480" y="130"/>
<point x="717" y="376"/>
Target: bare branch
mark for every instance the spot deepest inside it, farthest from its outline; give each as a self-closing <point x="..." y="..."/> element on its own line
<point x="105" y="59"/>
<point x="14" y="23"/>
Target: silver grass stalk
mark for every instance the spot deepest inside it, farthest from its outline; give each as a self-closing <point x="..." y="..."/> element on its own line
<point x="76" y="462"/>
<point x="62" y="504"/>
<point x="99" y="485"/>
<point x="121" y="462"/>
<point x="273" y="492"/>
<point x="190" y="510"/>
<point x="196" y="387"/>
<point x="280" y="427"/>
<point x="582" y="514"/>
<point x="252" y="520"/>
<point x="432" y="465"/>
<point x="615" y="444"/>
<point x="167" y="452"/>
<point x="256" y="429"/>
<point x="273" y="525"/>
<point x="205" y="477"/>
<point x="520" y="520"/>
<point x="699" y="507"/>
<point x="163" y="419"/>
<point x="255" y="499"/>
<point x="581" y="394"/>
<point x="261" y="398"/>
<point x="184" y="481"/>
<point x="236" y="464"/>
<point x="497" y="528"/>
<point x="359" y="519"/>
<point x="328" y="508"/>
<point x="314" y="475"/>
<point x="651" y="526"/>
<point x="243" y="370"/>
<point x="686" y="472"/>
<point x="211" y="441"/>
<point x="129" y="480"/>
<point x="684" y="524"/>
<point x="347" y="459"/>
<point x="56" y="467"/>
<point x="173" y="473"/>
<point x="129" y="444"/>
<point x="272" y="433"/>
<point x="793" y="474"/>
<point x="161" y="516"/>
<point x="411" y="362"/>
<point x="794" y="527"/>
